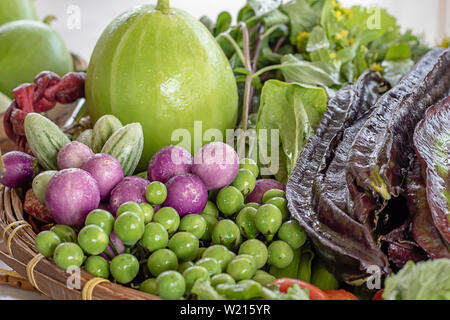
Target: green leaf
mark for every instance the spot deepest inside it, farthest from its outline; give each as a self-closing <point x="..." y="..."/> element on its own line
<point x="372" y="18"/>
<point x="318" y="40"/>
<point x="312" y="73"/>
<point x="329" y="20"/>
<point x="245" y="13"/>
<point x="223" y="22"/>
<point x="427" y="280"/>
<point x="321" y="278"/>
<point x="305" y="266"/>
<point x="242" y="71"/>
<point x="302" y="16"/>
<point x="296" y="293"/>
<point x="275" y="17"/>
<point x="264" y="6"/>
<point x="398" y="51"/>
<point x="208" y="23"/>
<point x="360" y="61"/>
<point x="394" y="70"/>
<point x="295" y="111"/>
<point x="205" y="291"/>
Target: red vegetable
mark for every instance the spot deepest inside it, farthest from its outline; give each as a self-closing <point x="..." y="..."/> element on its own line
<point x="35" y="208"/>
<point x="314" y="292"/>
<point x="378" y="295"/>
<point x="340" y="294"/>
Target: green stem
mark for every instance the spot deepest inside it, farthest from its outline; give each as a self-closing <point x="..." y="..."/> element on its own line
<point x="271" y="30"/>
<point x="234" y="44"/>
<point x="274" y="67"/>
<point x="248" y="80"/>
<point x="163" y="6"/>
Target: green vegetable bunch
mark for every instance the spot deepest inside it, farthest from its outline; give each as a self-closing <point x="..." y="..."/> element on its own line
<point x="290" y="57"/>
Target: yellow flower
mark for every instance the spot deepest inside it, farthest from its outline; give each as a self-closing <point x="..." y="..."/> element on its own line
<point x="302" y="40"/>
<point x="377" y="67"/>
<point x="446" y="43"/>
<point x="352" y="40"/>
<point x="346" y="12"/>
<point x="342" y="38"/>
<point x="333" y="55"/>
<point x="339" y="15"/>
<point x="335" y="4"/>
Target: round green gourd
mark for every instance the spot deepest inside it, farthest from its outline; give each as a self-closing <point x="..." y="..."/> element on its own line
<point x="11" y="10"/>
<point x="28" y="48"/>
<point x="161" y="67"/>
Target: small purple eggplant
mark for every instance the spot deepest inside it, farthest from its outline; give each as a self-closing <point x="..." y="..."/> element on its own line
<point x="20" y="169"/>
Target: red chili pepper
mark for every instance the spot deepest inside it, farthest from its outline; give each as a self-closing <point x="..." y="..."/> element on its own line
<point x="314" y="292"/>
<point x="378" y="295"/>
<point x="340" y="295"/>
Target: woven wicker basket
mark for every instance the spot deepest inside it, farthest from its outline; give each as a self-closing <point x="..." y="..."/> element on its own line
<point x="17" y="248"/>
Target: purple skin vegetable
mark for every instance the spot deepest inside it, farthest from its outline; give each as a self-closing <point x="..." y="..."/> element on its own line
<point x="71" y="194"/>
<point x="261" y="186"/>
<point x="129" y="189"/>
<point x="217" y="164"/>
<point x="186" y="194"/>
<point x="20" y="169"/>
<point x="72" y="155"/>
<point x="118" y="245"/>
<point x="106" y="170"/>
<point x="168" y="162"/>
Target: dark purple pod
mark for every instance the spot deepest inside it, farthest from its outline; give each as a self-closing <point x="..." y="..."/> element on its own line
<point x="106" y="170"/>
<point x="187" y="194"/>
<point x="20" y="169"/>
<point x="168" y="162"/>
<point x="129" y="189"/>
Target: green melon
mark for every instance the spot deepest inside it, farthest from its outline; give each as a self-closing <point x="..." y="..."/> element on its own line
<point x="11" y="10"/>
<point x="27" y="48"/>
<point x="161" y="67"/>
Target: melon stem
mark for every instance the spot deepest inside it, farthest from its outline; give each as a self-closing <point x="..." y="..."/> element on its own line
<point x="163" y="6"/>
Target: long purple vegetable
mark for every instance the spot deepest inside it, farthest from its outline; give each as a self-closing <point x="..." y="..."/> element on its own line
<point x="345" y="245"/>
<point x="432" y="143"/>
<point x="382" y="151"/>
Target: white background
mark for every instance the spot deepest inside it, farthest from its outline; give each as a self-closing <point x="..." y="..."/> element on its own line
<point x="428" y="17"/>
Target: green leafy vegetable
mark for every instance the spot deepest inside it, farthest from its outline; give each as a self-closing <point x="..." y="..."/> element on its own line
<point x="428" y="280"/>
<point x="302" y="16"/>
<point x="295" y="110"/>
<point x="306" y="72"/>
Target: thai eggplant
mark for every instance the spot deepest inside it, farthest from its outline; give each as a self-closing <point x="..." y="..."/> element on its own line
<point x="382" y="151"/>
<point x="346" y="246"/>
<point x="432" y="145"/>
